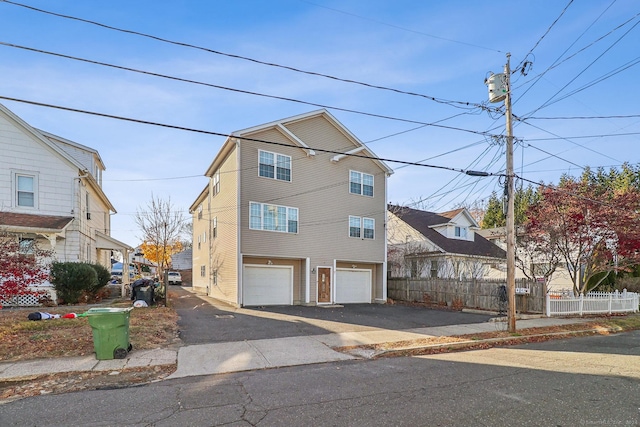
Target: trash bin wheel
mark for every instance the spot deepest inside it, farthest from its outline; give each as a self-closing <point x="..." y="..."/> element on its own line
<point x="130" y="347"/>
<point x="120" y="353"/>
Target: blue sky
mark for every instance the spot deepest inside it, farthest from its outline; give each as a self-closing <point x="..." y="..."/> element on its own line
<point x="583" y="64"/>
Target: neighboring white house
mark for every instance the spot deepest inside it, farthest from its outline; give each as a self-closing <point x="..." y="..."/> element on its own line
<point x="182" y="260"/>
<point x="560" y="279"/>
<point x="438" y="245"/>
<point x="51" y="193"/>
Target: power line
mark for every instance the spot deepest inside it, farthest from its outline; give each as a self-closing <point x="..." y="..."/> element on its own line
<point x="557" y="62"/>
<point x="146" y="122"/>
<point x="574" y="143"/>
<point x="610" y="135"/>
<point x="329" y="107"/>
<point x="546" y="32"/>
<point x="457" y="104"/>
<point x="548" y="102"/>
<point x="399" y="27"/>
<point x="629" y="116"/>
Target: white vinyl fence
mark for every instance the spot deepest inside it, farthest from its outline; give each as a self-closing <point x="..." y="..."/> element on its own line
<point x="592" y="303"/>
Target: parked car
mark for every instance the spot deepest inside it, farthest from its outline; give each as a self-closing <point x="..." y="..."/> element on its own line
<point x="175" y="278"/>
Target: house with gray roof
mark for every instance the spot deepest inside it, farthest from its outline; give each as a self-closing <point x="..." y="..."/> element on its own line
<point x="423" y="244"/>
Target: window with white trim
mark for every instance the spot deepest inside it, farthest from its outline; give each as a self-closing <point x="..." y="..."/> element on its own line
<point x="362" y="227"/>
<point x="216" y="183"/>
<point x="25" y="190"/>
<point x="360" y="183"/>
<point x="215" y="227"/>
<point x="355" y="223"/>
<point x="461" y="232"/>
<point x="274" y="165"/>
<point x="215" y="277"/>
<point x="203" y="271"/>
<point x="264" y="216"/>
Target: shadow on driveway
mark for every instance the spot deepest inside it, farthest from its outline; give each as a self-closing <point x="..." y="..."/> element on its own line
<point x="205" y="320"/>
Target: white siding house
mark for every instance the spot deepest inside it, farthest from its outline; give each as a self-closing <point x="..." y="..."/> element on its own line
<point x="51" y="192"/>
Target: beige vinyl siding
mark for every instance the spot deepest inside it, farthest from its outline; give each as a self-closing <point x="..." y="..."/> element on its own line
<point x="200" y="255"/>
<point x="320" y="190"/>
<point x="224" y="207"/>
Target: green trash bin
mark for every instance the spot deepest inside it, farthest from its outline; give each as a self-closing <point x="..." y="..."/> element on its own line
<point x="110" y="332"/>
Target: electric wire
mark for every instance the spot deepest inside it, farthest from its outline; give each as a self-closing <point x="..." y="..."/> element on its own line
<point x="281" y="98"/>
<point x="206" y="132"/>
<point x="399" y="27"/>
<point x="547" y="31"/>
<point x="457" y="104"/>
<point x="557" y="62"/>
<point x="547" y="103"/>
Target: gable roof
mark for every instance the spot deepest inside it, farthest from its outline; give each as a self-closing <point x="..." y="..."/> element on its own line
<point x="423" y="222"/>
<point x="281" y="126"/>
<point x="52" y="142"/>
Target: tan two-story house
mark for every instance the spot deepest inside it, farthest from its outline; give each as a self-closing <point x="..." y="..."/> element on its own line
<point x="294" y="213"/>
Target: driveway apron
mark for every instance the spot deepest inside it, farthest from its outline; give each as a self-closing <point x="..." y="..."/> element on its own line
<point x="205" y="320"/>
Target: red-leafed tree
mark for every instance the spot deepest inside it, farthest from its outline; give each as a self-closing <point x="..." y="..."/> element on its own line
<point x="591" y="225"/>
<point x="22" y="264"/>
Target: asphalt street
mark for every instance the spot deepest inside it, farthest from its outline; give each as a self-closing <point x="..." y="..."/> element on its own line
<point x="578" y="382"/>
<point x="211" y="321"/>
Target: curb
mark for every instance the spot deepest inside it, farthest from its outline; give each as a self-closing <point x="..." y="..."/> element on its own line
<point x="366" y="353"/>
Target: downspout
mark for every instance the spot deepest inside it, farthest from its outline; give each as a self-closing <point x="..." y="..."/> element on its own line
<point x="76" y="209"/>
<point x="239" y="225"/>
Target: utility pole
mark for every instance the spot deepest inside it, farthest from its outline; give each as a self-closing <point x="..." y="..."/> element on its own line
<point x="500" y="90"/>
<point x="511" y="239"/>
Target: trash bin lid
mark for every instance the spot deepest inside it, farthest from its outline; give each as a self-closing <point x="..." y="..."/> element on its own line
<point x="108" y="310"/>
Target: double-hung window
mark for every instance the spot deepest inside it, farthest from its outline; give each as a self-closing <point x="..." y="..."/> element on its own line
<point x="355" y="224"/>
<point x="362" y="227"/>
<point x="264" y="216"/>
<point x="274" y="165"/>
<point x="25" y="190"/>
<point x="216" y="183"/>
<point x="361" y="183"/>
<point x="461" y="232"/>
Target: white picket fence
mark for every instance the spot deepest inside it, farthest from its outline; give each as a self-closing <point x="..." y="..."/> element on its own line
<point x="592" y="303"/>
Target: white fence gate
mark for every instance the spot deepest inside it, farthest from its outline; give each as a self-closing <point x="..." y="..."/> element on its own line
<point x="592" y="303"/>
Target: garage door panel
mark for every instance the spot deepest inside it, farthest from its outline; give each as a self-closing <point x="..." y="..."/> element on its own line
<point x="353" y="286"/>
<point x="267" y="285"/>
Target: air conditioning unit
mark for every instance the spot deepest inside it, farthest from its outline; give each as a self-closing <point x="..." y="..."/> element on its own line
<point x="88" y="215"/>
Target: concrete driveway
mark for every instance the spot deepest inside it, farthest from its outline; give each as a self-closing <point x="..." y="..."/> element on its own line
<point x="205" y="320"/>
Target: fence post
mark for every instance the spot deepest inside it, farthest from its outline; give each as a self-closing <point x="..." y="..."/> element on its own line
<point x="581" y="303"/>
<point x="548" y="305"/>
<point x="610" y="299"/>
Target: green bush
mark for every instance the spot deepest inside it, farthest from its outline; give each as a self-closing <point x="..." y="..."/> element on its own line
<point x="71" y="279"/>
<point x="104" y="276"/>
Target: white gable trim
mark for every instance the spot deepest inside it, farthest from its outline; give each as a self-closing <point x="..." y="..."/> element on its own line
<point x="41" y="138"/>
<point x="339" y="157"/>
<point x="297" y="140"/>
<point x="467" y="215"/>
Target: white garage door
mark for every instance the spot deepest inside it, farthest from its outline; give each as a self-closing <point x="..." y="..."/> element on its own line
<point x="267" y="285"/>
<point x="353" y="286"/>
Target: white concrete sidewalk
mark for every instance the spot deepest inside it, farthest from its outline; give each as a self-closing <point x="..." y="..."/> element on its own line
<point x="219" y="358"/>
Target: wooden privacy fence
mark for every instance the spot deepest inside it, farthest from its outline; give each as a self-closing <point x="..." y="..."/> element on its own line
<point x="480" y="294"/>
<point x="592" y="303"/>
